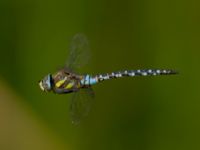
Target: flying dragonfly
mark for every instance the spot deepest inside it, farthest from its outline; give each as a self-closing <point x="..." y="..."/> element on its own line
<point x="66" y="80"/>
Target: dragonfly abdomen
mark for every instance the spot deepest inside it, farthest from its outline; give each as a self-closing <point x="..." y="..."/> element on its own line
<point x="90" y="80"/>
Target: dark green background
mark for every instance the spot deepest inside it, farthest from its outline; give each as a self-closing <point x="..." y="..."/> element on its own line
<point x="142" y="113"/>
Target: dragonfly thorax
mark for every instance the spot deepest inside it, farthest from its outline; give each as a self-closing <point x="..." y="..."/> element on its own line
<point x="46" y="83"/>
<point x="64" y="81"/>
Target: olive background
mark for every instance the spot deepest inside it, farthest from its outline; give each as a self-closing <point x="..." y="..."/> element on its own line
<point x="141" y="113"/>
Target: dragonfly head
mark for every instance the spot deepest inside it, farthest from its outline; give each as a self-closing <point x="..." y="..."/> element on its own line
<point x="46" y="83"/>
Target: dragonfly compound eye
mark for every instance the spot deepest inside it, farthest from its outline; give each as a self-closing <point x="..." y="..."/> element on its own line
<point x="45" y="84"/>
<point x="41" y="85"/>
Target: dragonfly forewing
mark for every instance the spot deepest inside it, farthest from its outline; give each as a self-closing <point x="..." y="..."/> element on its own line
<point x="79" y="52"/>
<point x="81" y="103"/>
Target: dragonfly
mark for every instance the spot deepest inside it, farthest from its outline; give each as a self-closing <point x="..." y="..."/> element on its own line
<point x="67" y="80"/>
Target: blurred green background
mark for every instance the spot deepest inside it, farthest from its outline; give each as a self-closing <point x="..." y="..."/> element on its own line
<point x="142" y="113"/>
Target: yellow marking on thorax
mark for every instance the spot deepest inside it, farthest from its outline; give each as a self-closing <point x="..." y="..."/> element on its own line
<point x="69" y="85"/>
<point x="60" y="83"/>
<point x="79" y="85"/>
<point x="73" y="84"/>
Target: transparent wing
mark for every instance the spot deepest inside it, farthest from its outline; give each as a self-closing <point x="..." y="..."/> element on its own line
<point x="79" y="52"/>
<point x="81" y="104"/>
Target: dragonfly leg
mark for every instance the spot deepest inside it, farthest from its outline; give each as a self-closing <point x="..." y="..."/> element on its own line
<point x="64" y="91"/>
